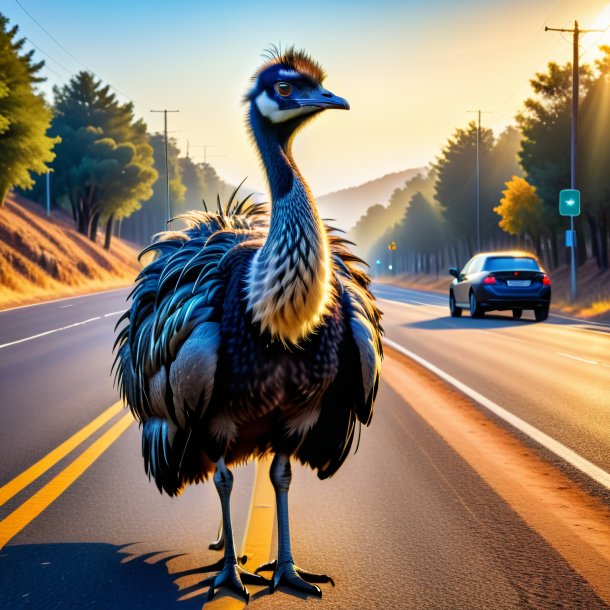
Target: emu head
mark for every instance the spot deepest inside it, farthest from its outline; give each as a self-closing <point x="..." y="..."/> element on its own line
<point x="287" y="90"/>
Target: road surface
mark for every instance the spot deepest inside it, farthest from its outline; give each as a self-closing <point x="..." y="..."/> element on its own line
<point x="408" y="522"/>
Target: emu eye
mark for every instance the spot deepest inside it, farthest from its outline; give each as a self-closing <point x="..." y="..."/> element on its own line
<point x="283" y="89"/>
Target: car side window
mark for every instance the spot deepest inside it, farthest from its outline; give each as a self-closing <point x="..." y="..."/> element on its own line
<point x="469" y="268"/>
<point x="477" y="265"/>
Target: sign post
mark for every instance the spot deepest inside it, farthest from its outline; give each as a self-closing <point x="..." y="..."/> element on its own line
<point x="391" y="248"/>
<point x="569" y="205"/>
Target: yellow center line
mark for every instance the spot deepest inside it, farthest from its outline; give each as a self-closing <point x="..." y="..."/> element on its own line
<point x="30" y="509"/>
<point x="31" y="474"/>
<point x="258" y="534"/>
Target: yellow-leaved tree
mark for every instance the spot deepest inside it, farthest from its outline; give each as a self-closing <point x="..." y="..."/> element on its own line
<point x="521" y="211"/>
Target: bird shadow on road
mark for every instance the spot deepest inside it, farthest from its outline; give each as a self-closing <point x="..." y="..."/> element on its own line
<point x="84" y="575"/>
<point x="100" y="575"/>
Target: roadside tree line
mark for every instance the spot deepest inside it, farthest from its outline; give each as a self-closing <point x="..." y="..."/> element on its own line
<point x="106" y="170"/>
<point x="433" y="218"/>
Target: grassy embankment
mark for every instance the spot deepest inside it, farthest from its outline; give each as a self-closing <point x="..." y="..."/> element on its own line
<point x="42" y="259"/>
<point x="593" y="290"/>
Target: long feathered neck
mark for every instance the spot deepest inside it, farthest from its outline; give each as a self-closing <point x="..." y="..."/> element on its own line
<point x="289" y="282"/>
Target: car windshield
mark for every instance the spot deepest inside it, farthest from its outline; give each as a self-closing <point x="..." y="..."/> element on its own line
<point x="510" y="263"/>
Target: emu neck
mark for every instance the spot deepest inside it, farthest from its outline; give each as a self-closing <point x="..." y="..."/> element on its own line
<point x="289" y="287"/>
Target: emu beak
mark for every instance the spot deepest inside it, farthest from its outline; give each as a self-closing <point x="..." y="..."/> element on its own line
<point x="323" y="99"/>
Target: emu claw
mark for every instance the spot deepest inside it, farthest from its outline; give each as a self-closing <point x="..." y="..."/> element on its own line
<point x="288" y="574"/>
<point x="233" y="578"/>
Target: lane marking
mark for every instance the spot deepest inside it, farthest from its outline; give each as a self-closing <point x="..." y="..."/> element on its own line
<point x="577" y="358"/>
<point x="411" y="302"/>
<point x="258" y="533"/>
<point x="576" y="524"/>
<point x="568" y="455"/>
<point x="33" y="472"/>
<point x="114" y="313"/>
<point x="49" y="332"/>
<point x="29" y="510"/>
<point x="78" y="296"/>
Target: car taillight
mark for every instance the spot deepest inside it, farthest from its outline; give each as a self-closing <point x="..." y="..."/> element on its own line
<point x="546" y="280"/>
<point x="490" y="279"/>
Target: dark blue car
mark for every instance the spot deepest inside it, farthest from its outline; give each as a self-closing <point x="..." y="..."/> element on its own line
<point x="496" y="281"/>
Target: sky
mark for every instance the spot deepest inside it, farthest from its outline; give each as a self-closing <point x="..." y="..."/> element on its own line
<point x="412" y="71"/>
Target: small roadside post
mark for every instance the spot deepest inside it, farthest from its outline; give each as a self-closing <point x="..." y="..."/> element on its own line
<point x="569" y="205"/>
<point x="391" y="248"/>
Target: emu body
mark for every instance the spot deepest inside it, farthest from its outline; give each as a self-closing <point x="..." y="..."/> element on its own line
<point x="254" y="332"/>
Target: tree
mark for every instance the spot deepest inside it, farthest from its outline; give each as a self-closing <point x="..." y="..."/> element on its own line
<point x="456" y="186"/>
<point x="594" y="157"/>
<point x="214" y="185"/>
<point x="24" y="116"/>
<point x="194" y="183"/>
<point x="152" y="218"/>
<point x="521" y="211"/>
<point x="368" y="229"/>
<point x="545" y="123"/>
<point x="104" y="165"/>
<point x="378" y="219"/>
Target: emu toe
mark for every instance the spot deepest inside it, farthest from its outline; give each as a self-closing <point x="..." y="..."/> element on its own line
<point x="287" y="573"/>
<point x="233" y="578"/>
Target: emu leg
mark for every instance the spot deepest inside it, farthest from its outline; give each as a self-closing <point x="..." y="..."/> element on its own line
<point x="231" y="575"/>
<point x="219" y="543"/>
<point x="284" y="569"/>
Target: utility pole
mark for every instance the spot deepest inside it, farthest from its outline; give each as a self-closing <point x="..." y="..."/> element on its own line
<point x="48" y="193"/>
<point x="479" y="178"/>
<point x="573" y="141"/>
<point x="169" y="211"/>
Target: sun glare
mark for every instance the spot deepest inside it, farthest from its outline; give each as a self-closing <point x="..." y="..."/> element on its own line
<point x="603" y="19"/>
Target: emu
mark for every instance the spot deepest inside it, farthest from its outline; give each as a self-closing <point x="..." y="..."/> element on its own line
<point x="253" y="332"/>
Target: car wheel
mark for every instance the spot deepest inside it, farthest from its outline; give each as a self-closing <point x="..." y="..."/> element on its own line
<point x="456" y="311"/>
<point x="475" y="309"/>
<point x="517" y="313"/>
<point x="541" y="313"/>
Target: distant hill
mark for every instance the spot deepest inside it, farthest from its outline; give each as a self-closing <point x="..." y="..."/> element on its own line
<point x="347" y="205"/>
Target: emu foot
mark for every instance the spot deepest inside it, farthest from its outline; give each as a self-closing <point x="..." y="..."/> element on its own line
<point x="233" y="577"/>
<point x="287" y="573"/>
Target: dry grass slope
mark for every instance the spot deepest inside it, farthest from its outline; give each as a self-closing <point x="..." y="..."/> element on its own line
<point x="44" y="258"/>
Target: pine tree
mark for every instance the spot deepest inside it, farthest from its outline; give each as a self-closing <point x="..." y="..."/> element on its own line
<point x="24" y="116"/>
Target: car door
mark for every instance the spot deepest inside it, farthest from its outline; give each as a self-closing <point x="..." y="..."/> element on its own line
<point x="462" y="287"/>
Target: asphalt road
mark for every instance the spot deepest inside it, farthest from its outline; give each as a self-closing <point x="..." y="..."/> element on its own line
<point x="554" y="375"/>
<point x="406" y="523"/>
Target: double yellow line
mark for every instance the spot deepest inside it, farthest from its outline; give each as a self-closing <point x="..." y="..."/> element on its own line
<point x="261" y="515"/>
<point x="31" y="508"/>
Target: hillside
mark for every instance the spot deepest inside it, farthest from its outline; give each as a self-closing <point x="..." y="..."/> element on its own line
<point x="347" y="205"/>
<point x="44" y="258"/>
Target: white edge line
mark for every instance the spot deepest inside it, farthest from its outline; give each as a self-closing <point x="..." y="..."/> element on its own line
<point x="566" y="454"/>
<point x="49" y="332"/>
<point x="576" y="358"/>
<point x="77" y="296"/>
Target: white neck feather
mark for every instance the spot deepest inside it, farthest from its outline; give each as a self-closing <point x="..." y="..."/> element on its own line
<point x="290" y="278"/>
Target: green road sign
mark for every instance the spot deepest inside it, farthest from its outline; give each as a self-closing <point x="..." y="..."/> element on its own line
<point x="569" y="202"/>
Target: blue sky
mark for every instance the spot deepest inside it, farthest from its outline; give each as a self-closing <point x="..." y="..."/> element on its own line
<point x="411" y="70"/>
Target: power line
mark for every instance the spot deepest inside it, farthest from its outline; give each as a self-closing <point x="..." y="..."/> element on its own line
<point x="517" y="59"/>
<point x="78" y="61"/>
